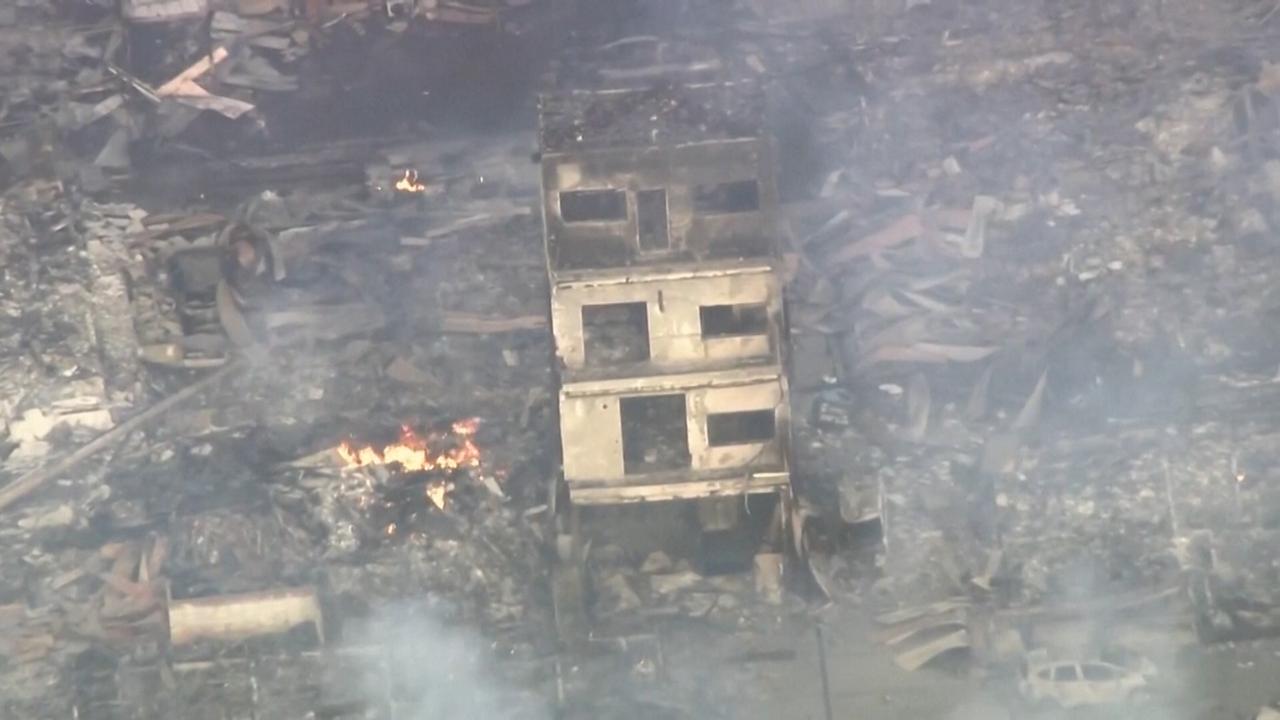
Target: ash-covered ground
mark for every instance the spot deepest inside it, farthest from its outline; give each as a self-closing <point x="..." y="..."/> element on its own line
<point x="278" y="395"/>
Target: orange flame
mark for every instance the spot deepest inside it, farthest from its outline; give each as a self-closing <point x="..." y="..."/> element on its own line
<point x="413" y="454"/>
<point x="438" y="493"/>
<point x="409" y="183"/>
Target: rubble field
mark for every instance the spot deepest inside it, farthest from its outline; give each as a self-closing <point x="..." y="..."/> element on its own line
<point x="278" y="399"/>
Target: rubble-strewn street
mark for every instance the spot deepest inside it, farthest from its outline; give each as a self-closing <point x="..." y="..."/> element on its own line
<point x="280" y="400"/>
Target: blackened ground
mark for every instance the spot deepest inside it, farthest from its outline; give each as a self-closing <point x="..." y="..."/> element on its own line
<point x="380" y="82"/>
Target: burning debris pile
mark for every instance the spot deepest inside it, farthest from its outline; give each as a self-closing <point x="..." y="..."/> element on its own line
<point x="377" y="483"/>
<point x="162" y="383"/>
<point x="425" y="502"/>
<point x="431" y="511"/>
<point x="409" y="183"/>
<point x="413" y="454"/>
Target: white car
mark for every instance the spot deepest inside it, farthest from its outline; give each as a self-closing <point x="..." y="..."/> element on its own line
<point x="1071" y="683"/>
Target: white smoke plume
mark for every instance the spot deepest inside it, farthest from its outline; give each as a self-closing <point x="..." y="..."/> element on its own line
<point x="424" y="667"/>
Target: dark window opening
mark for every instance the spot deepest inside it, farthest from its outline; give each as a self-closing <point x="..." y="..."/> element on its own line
<point x="655" y="434"/>
<point x="615" y="333"/>
<point x="740" y="428"/>
<point x="733" y="197"/>
<point x="727" y="320"/>
<point x="593" y="205"/>
<point x="651" y="219"/>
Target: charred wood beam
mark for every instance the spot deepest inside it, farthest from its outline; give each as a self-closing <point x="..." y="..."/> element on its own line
<point x="342" y="163"/>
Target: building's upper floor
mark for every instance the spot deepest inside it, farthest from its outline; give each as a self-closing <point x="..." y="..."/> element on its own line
<point x="669" y="174"/>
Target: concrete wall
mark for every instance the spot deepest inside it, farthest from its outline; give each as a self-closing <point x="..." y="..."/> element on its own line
<point x="674" y="317"/>
<point x="603" y="244"/>
<point x="591" y="430"/>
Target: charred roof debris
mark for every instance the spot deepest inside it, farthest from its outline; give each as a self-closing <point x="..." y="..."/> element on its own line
<point x="532" y="359"/>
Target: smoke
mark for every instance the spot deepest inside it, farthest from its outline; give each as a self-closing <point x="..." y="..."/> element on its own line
<point x="417" y="665"/>
<point x="979" y="709"/>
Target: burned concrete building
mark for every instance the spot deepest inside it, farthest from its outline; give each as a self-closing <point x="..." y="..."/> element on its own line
<point x="660" y="215"/>
<point x="666" y="301"/>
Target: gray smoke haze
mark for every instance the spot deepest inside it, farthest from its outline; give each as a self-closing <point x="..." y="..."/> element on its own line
<point x="1104" y="632"/>
<point x="428" y="668"/>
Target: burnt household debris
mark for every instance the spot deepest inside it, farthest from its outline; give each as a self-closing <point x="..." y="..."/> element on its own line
<point x="644" y="358"/>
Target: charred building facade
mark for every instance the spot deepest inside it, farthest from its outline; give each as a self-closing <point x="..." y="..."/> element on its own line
<point x="666" y="298"/>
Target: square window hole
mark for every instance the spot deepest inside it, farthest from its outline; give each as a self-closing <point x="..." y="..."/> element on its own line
<point x="730" y="320"/>
<point x="651" y="220"/>
<point x="593" y="205"/>
<point x="655" y="434"/>
<point x="731" y="197"/>
<point x="615" y="333"/>
<point x="740" y="428"/>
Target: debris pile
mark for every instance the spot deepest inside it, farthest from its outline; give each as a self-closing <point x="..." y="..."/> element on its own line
<point x="1044" y="295"/>
<point x="167" y="369"/>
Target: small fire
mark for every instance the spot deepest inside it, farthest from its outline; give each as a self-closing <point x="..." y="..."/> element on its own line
<point x="412" y="453"/>
<point x="438" y="492"/>
<point x="409" y="183"/>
